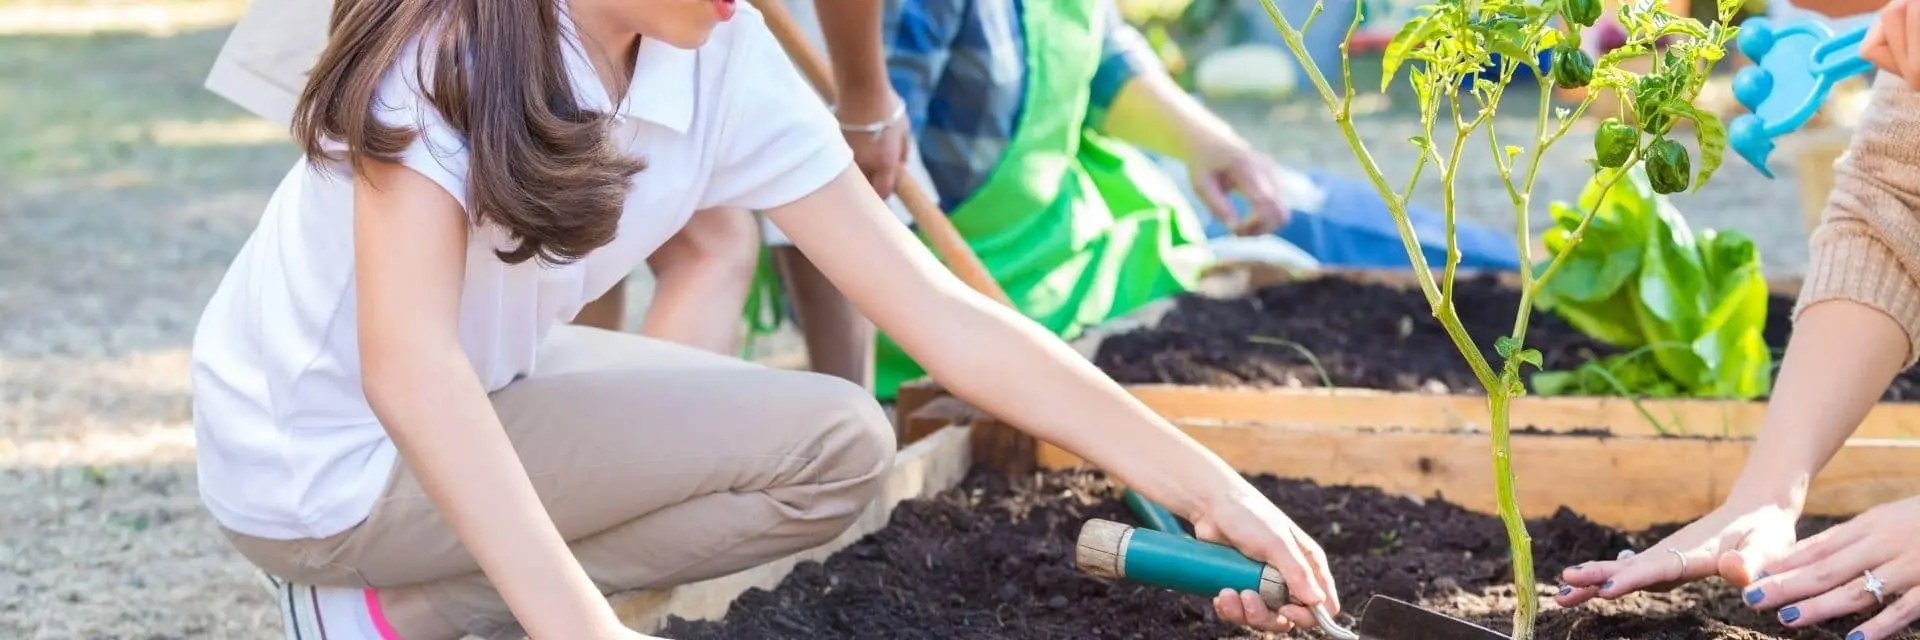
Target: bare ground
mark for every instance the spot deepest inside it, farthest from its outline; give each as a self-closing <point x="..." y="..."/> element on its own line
<point x="124" y="190"/>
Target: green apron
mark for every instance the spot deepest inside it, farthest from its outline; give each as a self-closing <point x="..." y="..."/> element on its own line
<point x="1077" y="227"/>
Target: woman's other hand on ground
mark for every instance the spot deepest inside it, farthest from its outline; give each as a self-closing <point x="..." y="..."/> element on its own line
<point x="1890" y="42"/>
<point x="1249" y="522"/>
<point x="1226" y="165"/>
<point x="1733" y="542"/>
<point x="881" y="155"/>
<point x="1861" y="566"/>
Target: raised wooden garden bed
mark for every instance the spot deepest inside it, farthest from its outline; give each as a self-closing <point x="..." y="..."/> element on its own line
<point x="1600" y="456"/>
<point x="1358" y="469"/>
<point x="994" y="559"/>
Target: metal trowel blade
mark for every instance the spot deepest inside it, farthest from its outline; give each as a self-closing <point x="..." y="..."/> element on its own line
<point x="1386" y="618"/>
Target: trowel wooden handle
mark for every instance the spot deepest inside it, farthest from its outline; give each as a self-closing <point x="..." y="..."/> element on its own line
<point x="1112" y="550"/>
<point x="933" y="223"/>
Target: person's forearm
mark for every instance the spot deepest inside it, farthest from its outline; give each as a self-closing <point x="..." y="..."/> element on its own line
<point x="852" y="29"/>
<point x="1839" y="362"/>
<point x="1039" y="384"/>
<point x="439" y="417"/>
<point x="1153" y="113"/>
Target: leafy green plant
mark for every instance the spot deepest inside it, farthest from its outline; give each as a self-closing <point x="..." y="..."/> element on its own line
<point x="1445" y="50"/>
<point x="1690" y="309"/>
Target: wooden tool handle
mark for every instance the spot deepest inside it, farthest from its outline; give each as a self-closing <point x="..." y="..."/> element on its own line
<point x="939" y="231"/>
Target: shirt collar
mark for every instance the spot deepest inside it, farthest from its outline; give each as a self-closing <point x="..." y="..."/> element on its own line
<point x="662" y="89"/>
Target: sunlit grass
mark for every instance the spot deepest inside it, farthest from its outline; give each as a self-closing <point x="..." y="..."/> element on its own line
<point x="84" y="17"/>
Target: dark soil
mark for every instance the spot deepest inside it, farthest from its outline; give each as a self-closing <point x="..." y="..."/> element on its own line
<point x="1364" y="335"/>
<point x="990" y="561"/>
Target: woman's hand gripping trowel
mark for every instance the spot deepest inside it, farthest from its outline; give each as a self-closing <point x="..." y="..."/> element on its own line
<point x="1163" y="555"/>
<point x="1794" y="66"/>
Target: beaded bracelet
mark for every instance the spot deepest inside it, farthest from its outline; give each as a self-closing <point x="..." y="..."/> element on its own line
<point x="874" y="129"/>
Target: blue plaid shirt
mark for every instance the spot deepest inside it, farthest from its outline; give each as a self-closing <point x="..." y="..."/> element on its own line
<point x="961" y="67"/>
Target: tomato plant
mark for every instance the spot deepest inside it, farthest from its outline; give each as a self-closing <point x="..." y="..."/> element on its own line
<point x="1444" y="50"/>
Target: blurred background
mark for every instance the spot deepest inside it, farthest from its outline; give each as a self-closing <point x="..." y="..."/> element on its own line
<point x="126" y="187"/>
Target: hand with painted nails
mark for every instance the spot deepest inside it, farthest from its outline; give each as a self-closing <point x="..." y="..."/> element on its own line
<point x="1733" y="542"/>
<point x="1866" y="565"/>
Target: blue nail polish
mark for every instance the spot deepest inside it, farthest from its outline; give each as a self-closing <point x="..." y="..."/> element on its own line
<point x="1606" y="585"/>
<point x="1754" y="596"/>
<point x="1857" y="635"/>
<point x="1564" y="591"/>
<point x="1790" y="614"/>
<point x="1763" y="575"/>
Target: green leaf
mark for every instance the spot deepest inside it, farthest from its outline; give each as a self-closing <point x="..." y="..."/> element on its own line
<point x="1733" y="339"/>
<point x="1530" y="356"/>
<point x="1557" y="383"/>
<point x="1711" y="135"/>
<point x="1672" y="290"/>
<point x="1416" y="32"/>
<point x="1505" y="346"/>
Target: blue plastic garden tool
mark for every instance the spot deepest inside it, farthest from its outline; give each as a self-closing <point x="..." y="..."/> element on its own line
<point x="1794" y="67"/>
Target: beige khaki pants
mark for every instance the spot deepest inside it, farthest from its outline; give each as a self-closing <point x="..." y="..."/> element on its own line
<point x="660" y="464"/>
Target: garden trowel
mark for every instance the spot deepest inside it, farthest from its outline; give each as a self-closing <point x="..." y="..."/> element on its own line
<point x="1387" y="618"/>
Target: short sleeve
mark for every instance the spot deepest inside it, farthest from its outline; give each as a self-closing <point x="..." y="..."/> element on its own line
<point x="779" y="143"/>
<point x="437" y="151"/>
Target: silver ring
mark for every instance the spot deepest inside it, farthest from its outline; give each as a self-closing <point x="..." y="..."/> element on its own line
<point x="1624" y="554"/>
<point x="1877" y="587"/>
<point x="1683" y="563"/>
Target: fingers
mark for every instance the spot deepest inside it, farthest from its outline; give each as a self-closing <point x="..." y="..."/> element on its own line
<point x="1214" y="196"/>
<point x="1246" y="608"/>
<point x="1816" y="549"/>
<point x="1898" y="40"/>
<point x="1835" y="571"/>
<point x="1874" y="49"/>
<point x="1891" y="621"/>
<point x="1320" y="569"/>
<point x="1761" y="546"/>
<point x="1850" y="597"/>
<point x="1908" y="24"/>
<point x="1659" y="569"/>
<point x="1262" y="191"/>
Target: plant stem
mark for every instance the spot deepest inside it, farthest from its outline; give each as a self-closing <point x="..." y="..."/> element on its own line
<point x="1519" y="542"/>
<point x="1396" y="206"/>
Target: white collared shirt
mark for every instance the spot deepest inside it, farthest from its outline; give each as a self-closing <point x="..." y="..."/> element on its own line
<point x="288" y="446"/>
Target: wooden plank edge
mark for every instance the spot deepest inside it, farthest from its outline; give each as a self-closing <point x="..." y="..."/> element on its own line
<point x="1435" y="412"/>
<point x="934" y="464"/>
<point x="1625" y="482"/>
<point x="1369" y="408"/>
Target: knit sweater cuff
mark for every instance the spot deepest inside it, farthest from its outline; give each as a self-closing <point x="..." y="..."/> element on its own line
<point x="1849" y="263"/>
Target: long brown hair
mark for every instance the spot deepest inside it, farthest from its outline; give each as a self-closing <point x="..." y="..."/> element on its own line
<point x="540" y="166"/>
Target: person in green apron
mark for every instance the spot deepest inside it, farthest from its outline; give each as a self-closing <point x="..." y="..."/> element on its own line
<point x="1032" y="118"/>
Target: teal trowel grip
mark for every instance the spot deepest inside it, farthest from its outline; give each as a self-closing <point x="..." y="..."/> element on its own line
<point x="1152" y="515"/>
<point x="1173" y="561"/>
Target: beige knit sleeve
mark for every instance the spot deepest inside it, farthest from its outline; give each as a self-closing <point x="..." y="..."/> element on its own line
<point x="1866" y="248"/>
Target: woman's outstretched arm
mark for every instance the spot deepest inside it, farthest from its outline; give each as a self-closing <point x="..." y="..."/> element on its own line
<point x="1010" y="366"/>
<point x="410" y="248"/>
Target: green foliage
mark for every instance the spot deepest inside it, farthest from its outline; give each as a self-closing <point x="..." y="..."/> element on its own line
<point x="1444" y="49"/>
<point x="1691" y="310"/>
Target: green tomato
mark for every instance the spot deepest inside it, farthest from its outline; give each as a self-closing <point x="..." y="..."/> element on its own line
<point x="1572" y="68"/>
<point x="1614" y="143"/>
<point x="1668" y="166"/>
<point x="1581" y="12"/>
